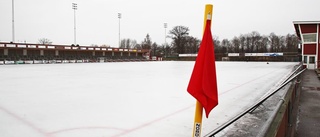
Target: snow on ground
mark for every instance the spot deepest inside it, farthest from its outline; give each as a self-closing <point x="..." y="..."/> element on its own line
<point x="126" y="99"/>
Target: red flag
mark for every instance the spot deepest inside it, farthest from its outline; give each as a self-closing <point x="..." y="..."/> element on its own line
<point x="203" y="81"/>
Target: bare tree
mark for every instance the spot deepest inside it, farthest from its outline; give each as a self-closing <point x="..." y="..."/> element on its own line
<point x="146" y="44"/>
<point x="127" y="43"/>
<point x="217" y="44"/>
<point x="123" y="43"/>
<point x="274" y="42"/>
<point x="292" y="42"/>
<point x="264" y="44"/>
<point x="154" y="49"/>
<point x="166" y="50"/>
<point x="255" y="41"/>
<point x="235" y="44"/>
<point x="133" y="43"/>
<point x="44" y="41"/>
<point x="225" y="45"/>
<point x="242" y="43"/>
<point x="179" y="35"/>
<point x="192" y="44"/>
<point x="104" y="45"/>
<point x="138" y="46"/>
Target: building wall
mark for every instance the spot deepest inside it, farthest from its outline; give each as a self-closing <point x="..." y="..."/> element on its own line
<point x="318" y="58"/>
<point x="308" y="28"/>
<point x="309" y="49"/>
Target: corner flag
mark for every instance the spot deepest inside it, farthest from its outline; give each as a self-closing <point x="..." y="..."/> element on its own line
<point x="203" y="81"/>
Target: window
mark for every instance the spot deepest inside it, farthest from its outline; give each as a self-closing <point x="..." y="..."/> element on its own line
<point x="311" y="60"/>
<point x="309" y="38"/>
<point x="305" y="59"/>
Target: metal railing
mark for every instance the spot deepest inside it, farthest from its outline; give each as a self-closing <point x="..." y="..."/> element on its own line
<point x="292" y="76"/>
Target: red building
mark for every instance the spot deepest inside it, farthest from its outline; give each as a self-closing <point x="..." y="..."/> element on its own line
<point x="308" y="32"/>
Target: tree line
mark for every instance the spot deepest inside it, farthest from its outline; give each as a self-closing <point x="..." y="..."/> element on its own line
<point x="255" y="43"/>
<point x="183" y="43"/>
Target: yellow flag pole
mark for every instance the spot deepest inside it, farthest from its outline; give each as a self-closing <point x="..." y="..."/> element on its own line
<point x="199" y="108"/>
<point x="208" y="10"/>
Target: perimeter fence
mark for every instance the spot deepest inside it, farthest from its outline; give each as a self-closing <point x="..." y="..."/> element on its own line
<point x="281" y="122"/>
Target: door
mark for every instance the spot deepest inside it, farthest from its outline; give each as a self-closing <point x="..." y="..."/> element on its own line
<point x="311" y="62"/>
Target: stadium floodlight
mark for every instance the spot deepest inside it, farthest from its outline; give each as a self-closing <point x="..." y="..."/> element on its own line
<point x="119" y="16"/>
<point x="12" y="20"/>
<point x="75" y="7"/>
<point x="165" y="33"/>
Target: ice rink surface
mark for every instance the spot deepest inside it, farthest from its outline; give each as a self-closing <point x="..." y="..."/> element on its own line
<point x="128" y="99"/>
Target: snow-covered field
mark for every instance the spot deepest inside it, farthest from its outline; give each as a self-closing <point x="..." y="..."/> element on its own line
<point x="127" y="99"/>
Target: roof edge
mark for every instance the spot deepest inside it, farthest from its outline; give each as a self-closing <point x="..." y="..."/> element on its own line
<point x="306" y="22"/>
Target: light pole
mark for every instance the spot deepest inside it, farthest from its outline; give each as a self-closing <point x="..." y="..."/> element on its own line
<point x="12" y="20"/>
<point x="75" y="7"/>
<point x="119" y="16"/>
<point x="165" y="33"/>
<point x="165" y="38"/>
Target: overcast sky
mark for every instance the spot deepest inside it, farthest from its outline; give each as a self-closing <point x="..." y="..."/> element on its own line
<point x="97" y="20"/>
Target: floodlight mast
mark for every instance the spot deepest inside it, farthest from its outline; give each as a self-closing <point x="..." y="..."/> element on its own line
<point x="119" y="16"/>
<point x="13" y="39"/>
<point x="165" y="33"/>
<point x="75" y="7"/>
